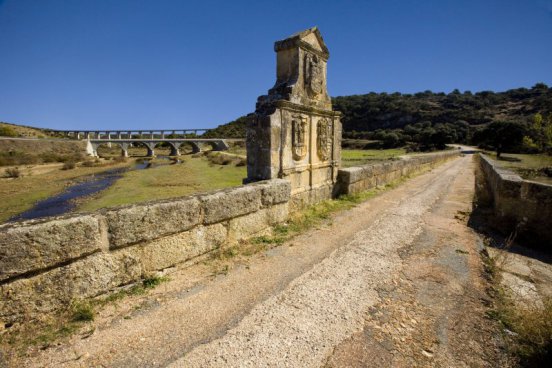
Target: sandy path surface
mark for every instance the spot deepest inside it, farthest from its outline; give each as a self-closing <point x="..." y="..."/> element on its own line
<point x="305" y="303"/>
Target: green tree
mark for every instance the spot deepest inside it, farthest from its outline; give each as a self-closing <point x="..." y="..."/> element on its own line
<point x="506" y="136"/>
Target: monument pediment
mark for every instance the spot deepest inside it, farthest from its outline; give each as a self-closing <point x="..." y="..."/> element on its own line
<point x="309" y="39"/>
<point x="300" y="71"/>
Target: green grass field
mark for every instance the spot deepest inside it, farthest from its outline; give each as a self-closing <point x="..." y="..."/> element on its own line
<point x="525" y="165"/>
<point x="193" y="175"/>
<point x="361" y="157"/>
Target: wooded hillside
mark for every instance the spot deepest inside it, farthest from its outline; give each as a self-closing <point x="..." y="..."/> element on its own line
<point x="388" y="111"/>
<point x="428" y="120"/>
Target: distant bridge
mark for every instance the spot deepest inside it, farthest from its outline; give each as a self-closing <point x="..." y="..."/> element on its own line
<point x="127" y="134"/>
<point x="174" y="143"/>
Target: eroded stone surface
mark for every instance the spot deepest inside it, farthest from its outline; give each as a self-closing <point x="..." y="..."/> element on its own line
<point x="149" y="221"/>
<point x="275" y="191"/>
<point x="42" y="245"/>
<point x="174" y="249"/>
<point x="55" y="289"/>
<point x="227" y="204"/>
<point x="257" y="222"/>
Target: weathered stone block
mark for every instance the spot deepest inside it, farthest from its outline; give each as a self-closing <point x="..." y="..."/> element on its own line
<point x="138" y="223"/>
<point x="36" y="246"/>
<point x="351" y="174"/>
<point x="275" y="191"/>
<point x="258" y="222"/>
<point x="54" y="290"/>
<point x="230" y="203"/>
<point x="174" y="249"/>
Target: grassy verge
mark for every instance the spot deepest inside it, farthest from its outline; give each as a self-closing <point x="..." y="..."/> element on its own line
<point x="524" y="161"/>
<point x="194" y="174"/>
<point x="529" y="166"/>
<point x="527" y="327"/>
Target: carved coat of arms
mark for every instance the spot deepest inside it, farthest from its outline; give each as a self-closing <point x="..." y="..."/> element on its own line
<point x="324" y="139"/>
<point x="299" y="137"/>
<point x="314" y="75"/>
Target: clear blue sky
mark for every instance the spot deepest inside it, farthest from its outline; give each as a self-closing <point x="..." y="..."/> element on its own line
<point x="125" y="64"/>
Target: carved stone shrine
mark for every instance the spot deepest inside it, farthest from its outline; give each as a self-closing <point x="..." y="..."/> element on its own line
<point x="294" y="133"/>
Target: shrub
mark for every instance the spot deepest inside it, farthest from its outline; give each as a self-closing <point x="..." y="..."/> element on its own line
<point x="69" y="165"/>
<point x="12" y="172"/>
<point x="90" y="163"/>
<point x="6" y="131"/>
<point x="219" y="159"/>
<point x="82" y="311"/>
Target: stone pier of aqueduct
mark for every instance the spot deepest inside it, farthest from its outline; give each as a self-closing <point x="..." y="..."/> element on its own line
<point x="293" y="157"/>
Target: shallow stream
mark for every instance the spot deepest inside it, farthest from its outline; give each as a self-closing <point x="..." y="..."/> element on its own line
<point x="67" y="200"/>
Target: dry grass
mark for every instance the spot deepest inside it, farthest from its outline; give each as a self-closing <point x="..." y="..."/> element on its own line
<point x="12" y="130"/>
<point x="527" y="326"/>
<point x="532" y="329"/>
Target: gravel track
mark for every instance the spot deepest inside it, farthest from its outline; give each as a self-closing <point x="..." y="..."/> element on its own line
<point x="302" y="325"/>
<point x="297" y="305"/>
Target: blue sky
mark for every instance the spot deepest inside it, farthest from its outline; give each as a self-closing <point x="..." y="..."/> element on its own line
<point x="131" y="64"/>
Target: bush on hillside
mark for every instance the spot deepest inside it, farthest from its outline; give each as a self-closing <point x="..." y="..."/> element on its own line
<point x="6" y="131"/>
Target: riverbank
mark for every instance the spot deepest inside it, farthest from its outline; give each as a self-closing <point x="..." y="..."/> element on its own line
<point x="39" y="182"/>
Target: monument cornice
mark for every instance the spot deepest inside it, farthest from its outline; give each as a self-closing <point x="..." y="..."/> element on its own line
<point x="287" y="105"/>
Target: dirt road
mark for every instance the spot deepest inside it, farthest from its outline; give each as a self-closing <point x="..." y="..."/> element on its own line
<point x="396" y="281"/>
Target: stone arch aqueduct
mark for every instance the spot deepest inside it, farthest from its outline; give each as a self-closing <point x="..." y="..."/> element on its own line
<point x="146" y="138"/>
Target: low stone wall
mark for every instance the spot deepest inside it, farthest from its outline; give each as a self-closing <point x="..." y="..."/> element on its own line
<point x="360" y="178"/>
<point x="518" y="205"/>
<point x="44" y="265"/>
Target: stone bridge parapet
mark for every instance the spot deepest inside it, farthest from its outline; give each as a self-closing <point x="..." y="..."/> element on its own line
<point x="45" y="264"/>
<point x="520" y="207"/>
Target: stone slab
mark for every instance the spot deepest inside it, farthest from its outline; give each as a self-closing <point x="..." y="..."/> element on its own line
<point x="274" y="191"/>
<point x="258" y="222"/>
<point x="56" y="289"/>
<point x="145" y="222"/>
<point x="27" y="248"/>
<point x="174" y="249"/>
<point x="230" y="203"/>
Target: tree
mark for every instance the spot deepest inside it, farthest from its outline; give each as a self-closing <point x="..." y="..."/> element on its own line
<point x="505" y="135"/>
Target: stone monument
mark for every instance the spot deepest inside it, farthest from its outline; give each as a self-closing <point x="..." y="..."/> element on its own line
<point x="294" y="133"/>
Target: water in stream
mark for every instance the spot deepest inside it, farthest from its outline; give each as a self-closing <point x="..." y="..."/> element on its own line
<point x="66" y="201"/>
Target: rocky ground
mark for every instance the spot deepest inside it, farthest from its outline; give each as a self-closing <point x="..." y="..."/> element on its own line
<point x="395" y="282"/>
